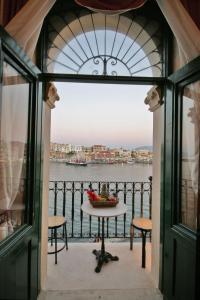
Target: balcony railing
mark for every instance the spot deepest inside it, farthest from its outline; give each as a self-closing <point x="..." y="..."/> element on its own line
<point x="66" y="198"/>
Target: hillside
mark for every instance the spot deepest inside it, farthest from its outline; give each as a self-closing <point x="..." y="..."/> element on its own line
<point x="150" y="148"/>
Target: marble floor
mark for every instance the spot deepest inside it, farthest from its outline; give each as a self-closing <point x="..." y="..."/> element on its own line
<point x="73" y="278"/>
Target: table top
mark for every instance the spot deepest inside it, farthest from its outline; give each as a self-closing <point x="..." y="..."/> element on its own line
<point x="105" y="212"/>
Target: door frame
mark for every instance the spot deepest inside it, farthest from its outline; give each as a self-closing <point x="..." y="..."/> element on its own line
<point x="186" y="75"/>
<point x="31" y="230"/>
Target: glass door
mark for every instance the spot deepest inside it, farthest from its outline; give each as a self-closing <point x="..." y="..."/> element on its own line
<point x="181" y="184"/>
<point x="20" y="147"/>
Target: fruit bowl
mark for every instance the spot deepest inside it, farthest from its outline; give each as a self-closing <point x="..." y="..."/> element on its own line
<point x="104" y="203"/>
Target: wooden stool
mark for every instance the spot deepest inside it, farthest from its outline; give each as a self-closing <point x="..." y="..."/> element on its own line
<point x="144" y="225"/>
<point x="55" y="222"/>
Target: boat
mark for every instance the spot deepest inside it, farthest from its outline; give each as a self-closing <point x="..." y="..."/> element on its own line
<point x="101" y="162"/>
<point x="76" y="163"/>
<point x="130" y="162"/>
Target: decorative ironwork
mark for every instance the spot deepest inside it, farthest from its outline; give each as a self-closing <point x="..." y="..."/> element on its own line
<point x="93" y="43"/>
<point x="66" y="198"/>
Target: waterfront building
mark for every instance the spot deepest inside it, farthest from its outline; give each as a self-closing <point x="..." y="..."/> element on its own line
<point x="126" y="153"/>
<point x="78" y="148"/>
<point x="97" y="148"/>
<point x="66" y="148"/>
<point x="143" y="152"/>
<point x="118" y="152"/>
<point x="103" y="155"/>
<point x="87" y="149"/>
<point x="152" y="43"/>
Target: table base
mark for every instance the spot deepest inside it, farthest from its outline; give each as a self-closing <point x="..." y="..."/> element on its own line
<point x="103" y="257"/>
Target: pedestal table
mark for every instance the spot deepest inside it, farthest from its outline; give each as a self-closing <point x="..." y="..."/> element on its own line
<point x="103" y="212"/>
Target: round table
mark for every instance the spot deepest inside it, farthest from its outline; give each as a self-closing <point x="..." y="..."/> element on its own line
<point x="105" y="212"/>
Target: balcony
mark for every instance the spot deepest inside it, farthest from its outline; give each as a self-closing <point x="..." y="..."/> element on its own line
<point x="73" y="278"/>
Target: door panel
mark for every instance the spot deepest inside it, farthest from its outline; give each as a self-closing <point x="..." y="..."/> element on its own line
<point x="20" y="160"/>
<point x="15" y="263"/>
<point x="185" y="270"/>
<point x="181" y="185"/>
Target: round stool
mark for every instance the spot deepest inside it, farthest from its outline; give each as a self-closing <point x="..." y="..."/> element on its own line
<point x="144" y="225"/>
<point x="55" y="222"/>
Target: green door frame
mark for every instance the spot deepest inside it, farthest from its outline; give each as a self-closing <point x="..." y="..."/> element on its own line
<point x="175" y="234"/>
<point x="28" y="235"/>
<point x="20" y="57"/>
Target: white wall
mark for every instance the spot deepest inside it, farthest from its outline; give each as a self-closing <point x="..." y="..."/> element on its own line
<point x="45" y="191"/>
<point x="158" y="116"/>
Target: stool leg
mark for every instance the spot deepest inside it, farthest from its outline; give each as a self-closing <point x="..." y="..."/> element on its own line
<point x="144" y="233"/>
<point x="63" y="232"/>
<point x="55" y="236"/>
<point x="51" y="237"/>
<point x="66" y="242"/>
<point x="131" y="236"/>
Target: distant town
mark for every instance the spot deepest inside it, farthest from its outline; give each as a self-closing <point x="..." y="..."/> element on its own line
<point x="99" y="154"/>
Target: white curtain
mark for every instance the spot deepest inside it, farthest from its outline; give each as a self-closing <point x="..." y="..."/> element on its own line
<point x="13" y="149"/>
<point x="13" y="137"/>
<point x="25" y="27"/>
<point x="183" y="27"/>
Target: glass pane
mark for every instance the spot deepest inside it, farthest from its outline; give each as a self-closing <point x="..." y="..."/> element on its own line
<point x="14" y="108"/>
<point x="190" y="155"/>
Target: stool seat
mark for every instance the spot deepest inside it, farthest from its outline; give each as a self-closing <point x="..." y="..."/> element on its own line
<point x="55" y="221"/>
<point x="142" y="224"/>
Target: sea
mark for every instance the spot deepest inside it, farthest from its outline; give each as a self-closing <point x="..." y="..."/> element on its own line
<point x="100" y="172"/>
<point x="90" y="226"/>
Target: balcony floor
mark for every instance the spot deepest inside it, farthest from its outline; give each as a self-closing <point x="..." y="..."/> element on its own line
<point x="74" y="277"/>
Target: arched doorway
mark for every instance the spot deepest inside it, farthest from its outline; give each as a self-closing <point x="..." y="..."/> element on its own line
<point x="82" y="47"/>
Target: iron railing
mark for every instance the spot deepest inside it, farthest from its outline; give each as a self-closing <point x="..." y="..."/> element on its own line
<point x="66" y="198"/>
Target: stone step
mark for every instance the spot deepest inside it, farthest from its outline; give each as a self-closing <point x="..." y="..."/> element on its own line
<point x="130" y="294"/>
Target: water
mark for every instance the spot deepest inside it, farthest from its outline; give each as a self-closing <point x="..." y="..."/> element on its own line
<point x="116" y="172"/>
<point x="112" y="173"/>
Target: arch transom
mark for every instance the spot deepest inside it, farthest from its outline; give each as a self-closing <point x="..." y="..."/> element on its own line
<point x="93" y="43"/>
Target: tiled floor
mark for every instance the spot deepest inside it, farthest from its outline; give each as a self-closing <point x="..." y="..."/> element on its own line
<point x="74" y="277"/>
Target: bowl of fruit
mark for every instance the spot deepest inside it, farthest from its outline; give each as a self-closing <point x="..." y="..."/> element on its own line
<point x="102" y="200"/>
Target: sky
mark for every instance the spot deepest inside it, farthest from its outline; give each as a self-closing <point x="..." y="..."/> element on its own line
<point x="109" y="114"/>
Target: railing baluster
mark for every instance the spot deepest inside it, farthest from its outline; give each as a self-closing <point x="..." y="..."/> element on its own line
<point x="64" y="198"/>
<point x="107" y="227"/>
<point x="81" y="212"/>
<point x="133" y="200"/>
<point x="73" y="208"/>
<point x="142" y="200"/>
<point x="124" y="214"/>
<point x="108" y="190"/>
<point x="90" y="226"/>
<point x="99" y="222"/>
<point x="55" y="199"/>
<point x="90" y="218"/>
<point x="150" y="196"/>
<point x="64" y="201"/>
<point x="116" y="190"/>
